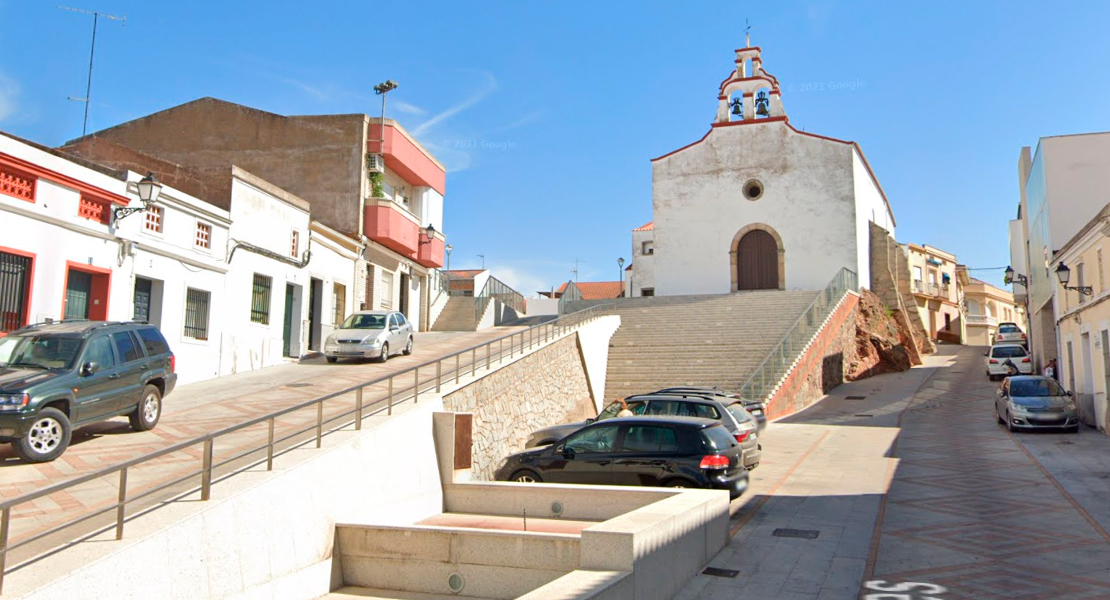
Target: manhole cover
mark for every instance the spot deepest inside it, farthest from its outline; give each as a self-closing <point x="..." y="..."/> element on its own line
<point x="805" y="534"/>
<point x="297" y="385"/>
<point x="855" y="397"/>
<point x="715" y="572"/>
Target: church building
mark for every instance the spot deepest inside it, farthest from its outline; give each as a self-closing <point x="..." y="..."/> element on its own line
<point x="755" y="203"/>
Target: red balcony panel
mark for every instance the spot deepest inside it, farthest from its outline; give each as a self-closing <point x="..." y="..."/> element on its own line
<point x="406" y="159"/>
<point x="388" y="226"/>
<point x="431" y="253"/>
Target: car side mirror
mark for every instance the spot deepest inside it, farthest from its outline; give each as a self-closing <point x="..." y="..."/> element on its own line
<point x="568" y="453"/>
<point x="1069" y="392"/>
<point x="394" y="328"/>
<point x="89" y="368"/>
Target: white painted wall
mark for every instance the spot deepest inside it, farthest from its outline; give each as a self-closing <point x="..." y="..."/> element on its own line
<point x="263" y="220"/>
<point x="1077" y="178"/>
<point x="870" y="207"/>
<point x="543" y="306"/>
<point x="643" y="265"/>
<point x="699" y="206"/>
<point x="593" y="340"/>
<point x="332" y="263"/>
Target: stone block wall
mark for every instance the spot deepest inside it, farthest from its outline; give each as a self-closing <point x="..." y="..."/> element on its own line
<point x="890" y="280"/>
<point x="545" y="388"/>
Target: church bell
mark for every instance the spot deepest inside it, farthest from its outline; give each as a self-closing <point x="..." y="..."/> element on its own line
<point x="761" y="103"/>
<point x="737" y="109"/>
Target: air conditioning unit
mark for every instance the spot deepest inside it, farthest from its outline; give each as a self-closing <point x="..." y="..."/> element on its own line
<point x="375" y="163"/>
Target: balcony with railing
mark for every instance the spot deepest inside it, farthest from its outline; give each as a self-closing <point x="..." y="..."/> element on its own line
<point x="982" y="320"/>
<point x="395" y="228"/>
<point x="932" y="289"/>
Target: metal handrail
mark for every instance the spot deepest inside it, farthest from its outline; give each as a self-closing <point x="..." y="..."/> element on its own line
<point x="495" y="289"/>
<point x="812" y="317"/>
<point x="528" y="338"/>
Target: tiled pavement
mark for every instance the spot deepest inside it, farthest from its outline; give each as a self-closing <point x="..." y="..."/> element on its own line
<point x="960" y="503"/>
<point x="200" y="408"/>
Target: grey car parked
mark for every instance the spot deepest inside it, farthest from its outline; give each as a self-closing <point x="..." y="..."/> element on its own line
<point x="1035" y="402"/>
<point x="370" y="334"/>
<point x="739" y="423"/>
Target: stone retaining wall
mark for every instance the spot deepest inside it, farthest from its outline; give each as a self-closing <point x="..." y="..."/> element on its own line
<point x="545" y="388"/>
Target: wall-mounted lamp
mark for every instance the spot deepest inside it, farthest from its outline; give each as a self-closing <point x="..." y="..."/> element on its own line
<point x="1064" y="273"/>
<point x="429" y="234"/>
<point x="1018" y="278"/>
<point x="149" y="189"/>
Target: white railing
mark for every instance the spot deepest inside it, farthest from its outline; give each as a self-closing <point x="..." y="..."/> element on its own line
<point x="982" y="320"/>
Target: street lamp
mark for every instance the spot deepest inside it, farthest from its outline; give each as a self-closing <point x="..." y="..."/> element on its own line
<point x="429" y="234"/>
<point x="448" y="248"/>
<point x="1064" y="273"/>
<point x="620" y="268"/>
<point x="483" y="257"/>
<point x="1018" y="278"/>
<point x="149" y="189"/>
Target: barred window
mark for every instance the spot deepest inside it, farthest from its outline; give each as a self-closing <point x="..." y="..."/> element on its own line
<point x="153" y="219"/>
<point x="260" y="299"/>
<point x="196" y="314"/>
<point x="340" y="303"/>
<point x="204" y="235"/>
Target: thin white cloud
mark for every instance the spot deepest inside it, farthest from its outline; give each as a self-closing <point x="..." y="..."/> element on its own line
<point x="488" y="88"/>
<point x="407" y="108"/>
<point x="522" y="281"/>
<point x="9" y="93"/>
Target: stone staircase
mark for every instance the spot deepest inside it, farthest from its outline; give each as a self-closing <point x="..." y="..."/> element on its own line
<point x="457" y="315"/>
<point x="697" y="340"/>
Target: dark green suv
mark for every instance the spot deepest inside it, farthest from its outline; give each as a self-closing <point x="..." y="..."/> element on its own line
<point x="55" y="377"/>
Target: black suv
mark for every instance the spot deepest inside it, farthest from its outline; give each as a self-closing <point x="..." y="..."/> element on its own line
<point x="654" y="451"/>
<point x="55" y="377"/>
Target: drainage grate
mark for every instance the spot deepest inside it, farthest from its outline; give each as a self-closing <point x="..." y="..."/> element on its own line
<point x="855" y="397"/>
<point x="298" y="385"/>
<point x="715" y="572"/>
<point x="864" y="415"/>
<point x="805" y="534"/>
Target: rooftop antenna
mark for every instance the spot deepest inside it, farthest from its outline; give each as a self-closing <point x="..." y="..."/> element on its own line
<point x="92" y="52"/>
<point x="483" y="257"/>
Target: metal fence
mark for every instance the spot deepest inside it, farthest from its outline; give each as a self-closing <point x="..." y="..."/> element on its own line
<point x="213" y="466"/>
<point x="495" y="289"/>
<point x="763" y="380"/>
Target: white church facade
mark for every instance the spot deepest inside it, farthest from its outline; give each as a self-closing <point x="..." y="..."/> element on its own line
<point x="757" y="204"/>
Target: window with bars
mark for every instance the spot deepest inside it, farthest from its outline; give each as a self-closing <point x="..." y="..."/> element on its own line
<point x="260" y="299"/>
<point x="15" y="287"/>
<point x="204" y="236"/>
<point x="93" y="209"/>
<point x="196" y="313"/>
<point x="17" y="185"/>
<point x="153" y="219"/>
<point x="295" y="244"/>
<point x="340" y="293"/>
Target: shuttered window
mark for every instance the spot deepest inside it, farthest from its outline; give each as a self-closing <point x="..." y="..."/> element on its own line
<point x="15" y="285"/>
<point x="196" y="314"/>
<point x="260" y="299"/>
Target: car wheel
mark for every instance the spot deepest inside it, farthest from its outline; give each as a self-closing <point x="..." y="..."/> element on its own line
<point x="148" y="411"/>
<point x="1073" y="429"/>
<point x="998" y="416"/>
<point x="408" y="347"/>
<point x="1010" y="423"/>
<point x="332" y="359"/>
<point x="385" y="353"/>
<point x="47" y="439"/>
<point x="526" y="476"/>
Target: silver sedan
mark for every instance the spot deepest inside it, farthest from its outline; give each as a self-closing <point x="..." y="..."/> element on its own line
<point x="370" y="334"/>
<point x="1035" y="402"/>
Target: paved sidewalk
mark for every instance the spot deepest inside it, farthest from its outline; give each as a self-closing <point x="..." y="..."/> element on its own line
<point x="916" y="483"/>
<point x="200" y="408"/>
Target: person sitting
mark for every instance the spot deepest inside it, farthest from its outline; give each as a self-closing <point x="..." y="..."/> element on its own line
<point x="624" y="411"/>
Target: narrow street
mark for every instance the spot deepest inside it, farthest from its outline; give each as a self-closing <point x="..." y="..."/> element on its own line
<point x="907" y="479"/>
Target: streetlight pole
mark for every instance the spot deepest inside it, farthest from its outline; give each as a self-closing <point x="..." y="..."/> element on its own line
<point x="620" y="269"/>
<point x="448" y="248"/>
<point x="382" y="89"/>
<point x="483" y="257"/>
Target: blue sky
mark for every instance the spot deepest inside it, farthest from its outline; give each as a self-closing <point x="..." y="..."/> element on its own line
<point x="547" y="114"/>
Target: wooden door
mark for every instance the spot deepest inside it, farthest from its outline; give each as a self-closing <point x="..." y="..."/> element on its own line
<point x="757" y="261"/>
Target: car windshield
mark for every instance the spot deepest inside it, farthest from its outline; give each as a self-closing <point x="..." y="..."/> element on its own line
<point x="39" y="351"/>
<point x="1008" y="352"/>
<point x="1035" y="387"/>
<point x="740" y="413"/>
<point x="364" y="322"/>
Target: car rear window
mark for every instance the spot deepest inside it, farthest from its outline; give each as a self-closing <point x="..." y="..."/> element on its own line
<point x="1008" y="329"/>
<point x="717" y="438"/>
<point x="740" y="413"/>
<point x="153" y="341"/>
<point x="1007" y="352"/>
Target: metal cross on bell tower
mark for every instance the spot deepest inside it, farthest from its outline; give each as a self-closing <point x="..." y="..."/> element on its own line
<point x="747" y="33"/>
